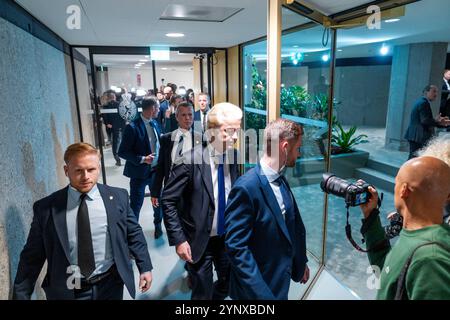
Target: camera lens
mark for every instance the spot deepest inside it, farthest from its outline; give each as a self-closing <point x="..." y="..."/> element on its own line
<point x="334" y="185"/>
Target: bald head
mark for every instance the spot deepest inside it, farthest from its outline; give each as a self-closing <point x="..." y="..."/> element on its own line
<point x="422" y="187"/>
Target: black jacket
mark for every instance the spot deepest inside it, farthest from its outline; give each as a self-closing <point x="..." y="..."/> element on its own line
<point x="422" y="123"/>
<point x="165" y="160"/>
<point x="191" y="183"/>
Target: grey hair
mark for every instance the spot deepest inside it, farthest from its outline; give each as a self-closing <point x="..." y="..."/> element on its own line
<point x="438" y="147"/>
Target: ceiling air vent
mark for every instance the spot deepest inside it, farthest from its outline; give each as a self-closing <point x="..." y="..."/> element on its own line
<point x="198" y="13"/>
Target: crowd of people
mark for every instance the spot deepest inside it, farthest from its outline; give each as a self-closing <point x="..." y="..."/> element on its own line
<point x="248" y="228"/>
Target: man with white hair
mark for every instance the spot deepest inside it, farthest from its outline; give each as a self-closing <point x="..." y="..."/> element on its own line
<point x="202" y="184"/>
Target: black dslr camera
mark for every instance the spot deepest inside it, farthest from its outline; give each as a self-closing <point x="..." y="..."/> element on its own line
<point x="353" y="193"/>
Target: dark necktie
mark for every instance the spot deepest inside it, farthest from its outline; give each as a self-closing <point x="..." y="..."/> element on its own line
<point x="204" y="120"/>
<point x="221" y="198"/>
<point x="179" y="152"/>
<point x="288" y="206"/>
<point x="86" y="261"/>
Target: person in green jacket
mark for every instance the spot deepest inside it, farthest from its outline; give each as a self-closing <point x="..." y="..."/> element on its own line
<point x="422" y="189"/>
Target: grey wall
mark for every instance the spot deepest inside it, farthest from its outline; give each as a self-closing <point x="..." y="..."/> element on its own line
<point x="38" y="121"/>
<point x="363" y="93"/>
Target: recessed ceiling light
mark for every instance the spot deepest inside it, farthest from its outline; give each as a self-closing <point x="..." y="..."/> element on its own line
<point x="295" y="46"/>
<point x="163" y="68"/>
<point x="143" y="60"/>
<point x="174" y="35"/>
<point x="391" y="20"/>
<point x="340" y="50"/>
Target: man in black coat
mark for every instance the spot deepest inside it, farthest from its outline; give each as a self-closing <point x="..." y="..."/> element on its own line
<point x="202" y="183"/>
<point x="86" y="233"/>
<point x="422" y="123"/>
<point x="444" y="109"/>
<point x="115" y="123"/>
<point x="173" y="145"/>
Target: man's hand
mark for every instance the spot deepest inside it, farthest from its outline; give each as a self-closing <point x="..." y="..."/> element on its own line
<point x="145" y="281"/>
<point x="155" y="202"/>
<point x="184" y="251"/>
<point x="109" y="126"/>
<point x="149" y="159"/>
<point x="305" y="275"/>
<point x="443" y="121"/>
<point x="369" y="206"/>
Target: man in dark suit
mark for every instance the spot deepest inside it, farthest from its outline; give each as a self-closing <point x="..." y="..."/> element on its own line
<point x="200" y="116"/>
<point x="86" y="233"/>
<point x="444" y="109"/>
<point x="115" y="123"/>
<point x="202" y="182"/>
<point x="422" y="123"/>
<point x="140" y="148"/>
<point x="265" y="236"/>
<point x="164" y="105"/>
<point x="173" y="146"/>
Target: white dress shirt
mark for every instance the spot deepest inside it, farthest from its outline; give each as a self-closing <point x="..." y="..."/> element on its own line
<point x="272" y="175"/>
<point x="214" y="160"/>
<point x="98" y="221"/>
<point x="187" y="142"/>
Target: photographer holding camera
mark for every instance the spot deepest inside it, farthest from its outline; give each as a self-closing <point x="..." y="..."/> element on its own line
<point x="417" y="267"/>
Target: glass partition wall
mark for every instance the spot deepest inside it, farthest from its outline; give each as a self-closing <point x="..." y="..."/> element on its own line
<point x="361" y="83"/>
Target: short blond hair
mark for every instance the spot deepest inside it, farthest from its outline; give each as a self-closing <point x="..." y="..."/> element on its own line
<point x="79" y="148"/>
<point x="222" y="112"/>
<point x="438" y="147"/>
<point x="280" y="130"/>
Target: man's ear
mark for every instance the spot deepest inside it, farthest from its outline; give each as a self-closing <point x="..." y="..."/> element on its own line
<point x="66" y="170"/>
<point x="405" y="191"/>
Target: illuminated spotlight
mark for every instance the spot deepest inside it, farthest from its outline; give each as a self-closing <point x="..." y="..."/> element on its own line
<point x="113" y="88"/>
<point x="175" y="35"/>
<point x="118" y="90"/>
<point x="384" y="50"/>
<point x="325" y="58"/>
<point x="295" y="62"/>
<point x="391" y="20"/>
<point x="133" y="89"/>
<point x="140" y="92"/>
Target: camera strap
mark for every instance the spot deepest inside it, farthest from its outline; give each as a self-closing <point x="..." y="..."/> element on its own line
<point x="348" y="230"/>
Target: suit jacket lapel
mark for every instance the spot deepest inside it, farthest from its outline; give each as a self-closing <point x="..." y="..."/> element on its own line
<point x="272" y="202"/>
<point x="110" y="207"/>
<point x="143" y="130"/>
<point x="59" y="214"/>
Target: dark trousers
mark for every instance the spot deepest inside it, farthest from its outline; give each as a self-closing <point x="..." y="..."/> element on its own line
<point x="116" y="140"/>
<point x="413" y="148"/>
<point x="201" y="273"/>
<point x="137" y="194"/>
<point x="109" y="288"/>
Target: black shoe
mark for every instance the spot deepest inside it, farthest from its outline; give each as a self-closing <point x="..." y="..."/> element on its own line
<point x="118" y="163"/>
<point x="158" y="232"/>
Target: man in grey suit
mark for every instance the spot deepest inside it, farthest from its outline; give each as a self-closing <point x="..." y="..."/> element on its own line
<point x="86" y="232"/>
<point x="422" y="123"/>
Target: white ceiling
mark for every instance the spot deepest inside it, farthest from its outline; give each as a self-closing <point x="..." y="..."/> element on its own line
<point x="136" y="22"/>
<point x="330" y="7"/>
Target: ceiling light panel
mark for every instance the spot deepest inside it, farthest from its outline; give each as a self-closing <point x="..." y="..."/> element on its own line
<point x="198" y="13"/>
